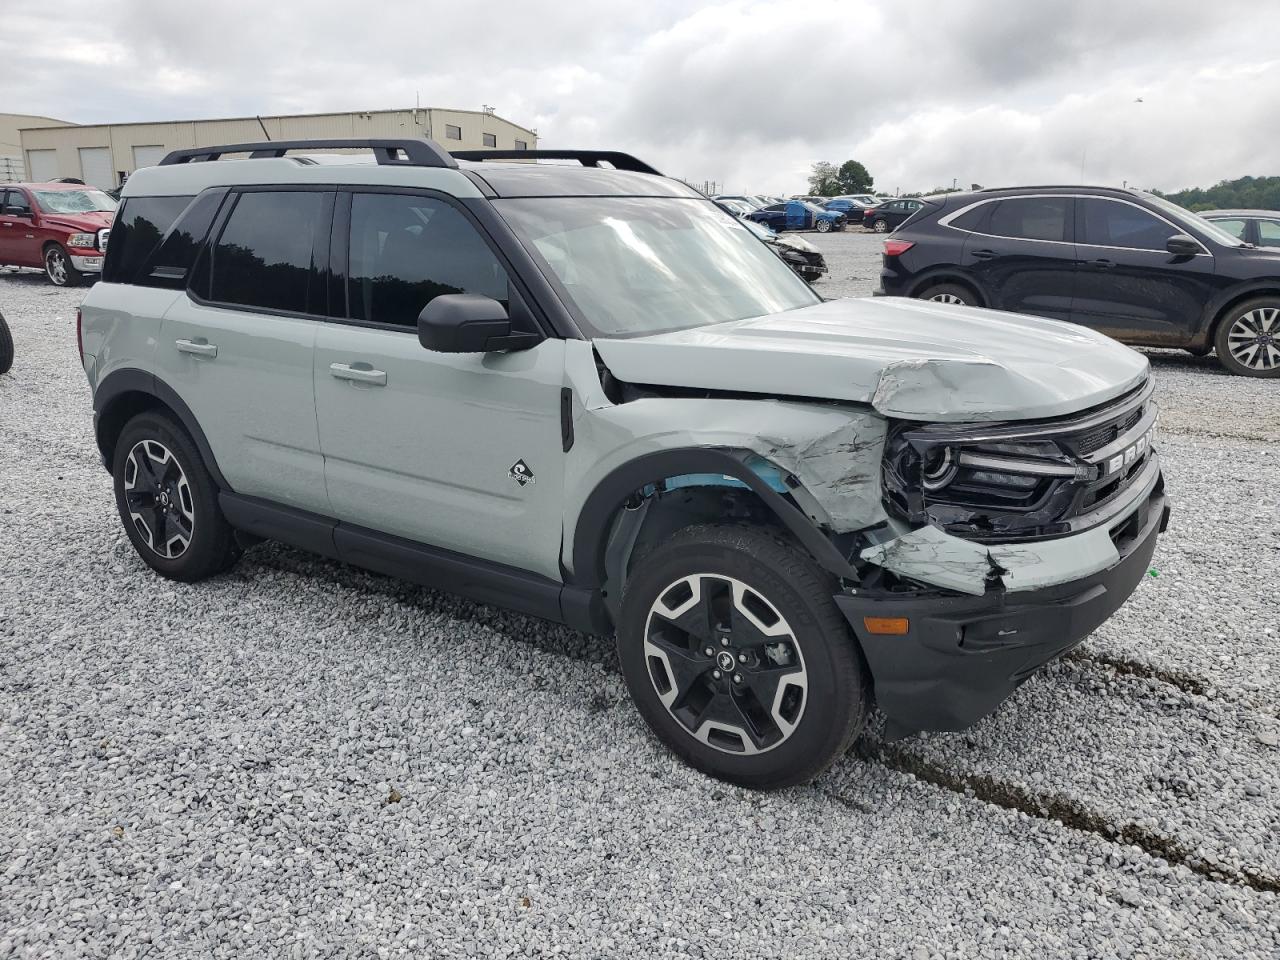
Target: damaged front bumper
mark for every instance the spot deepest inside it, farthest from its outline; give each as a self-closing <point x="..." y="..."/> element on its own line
<point x="963" y="654"/>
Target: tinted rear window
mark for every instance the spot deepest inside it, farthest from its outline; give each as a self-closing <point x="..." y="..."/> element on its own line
<point x="140" y="224"/>
<point x="975" y="220"/>
<point x="1030" y="218"/>
<point x="264" y="257"/>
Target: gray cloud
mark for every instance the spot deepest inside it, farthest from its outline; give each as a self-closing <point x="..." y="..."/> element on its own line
<point x="746" y="93"/>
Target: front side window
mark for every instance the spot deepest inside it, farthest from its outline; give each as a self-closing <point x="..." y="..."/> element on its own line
<point x="264" y="257"/>
<point x="136" y="231"/>
<point x="1030" y="218"/>
<point x="1269" y="233"/>
<point x="1109" y="223"/>
<point x="490" y="140"/>
<point x="74" y="201"/>
<point x="640" y="265"/>
<point x="452" y="132"/>
<point x="407" y="250"/>
<point x="16" y="205"/>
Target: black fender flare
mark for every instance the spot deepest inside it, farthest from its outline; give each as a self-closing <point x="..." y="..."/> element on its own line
<point x="118" y="384"/>
<point x="591" y="535"/>
<point x="949" y="273"/>
<point x="1220" y="301"/>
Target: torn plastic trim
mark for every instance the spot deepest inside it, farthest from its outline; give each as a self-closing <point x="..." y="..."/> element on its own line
<point x="768" y="472"/>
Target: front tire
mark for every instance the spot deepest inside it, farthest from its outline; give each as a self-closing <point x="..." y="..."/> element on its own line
<point x="168" y="501"/>
<point x="781" y="693"/>
<point x="1248" y="339"/>
<point x="6" y="346"/>
<point x="823" y="226"/>
<point x="58" y="268"/>
<point x="949" y="293"/>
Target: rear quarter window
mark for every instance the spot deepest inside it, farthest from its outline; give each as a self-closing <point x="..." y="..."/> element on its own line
<point x="139" y="226"/>
<point x="974" y="220"/>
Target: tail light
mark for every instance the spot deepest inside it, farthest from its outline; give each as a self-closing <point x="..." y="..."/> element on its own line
<point x="80" y="334"/>
<point x="894" y="248"/>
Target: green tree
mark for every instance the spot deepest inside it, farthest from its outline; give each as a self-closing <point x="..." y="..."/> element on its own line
<point x="824" y="180"/>
<point x="1246" y="193"/>
<point x="854" y="178"/>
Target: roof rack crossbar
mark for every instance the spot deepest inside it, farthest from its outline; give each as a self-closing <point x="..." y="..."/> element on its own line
<point x="410" y="152"/>
<point x="588" y="158"/>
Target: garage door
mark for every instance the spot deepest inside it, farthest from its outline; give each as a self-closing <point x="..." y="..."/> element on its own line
<point x="42" y="165"/>
<point x="147" y="156"/>
<point x="95" y="167"/>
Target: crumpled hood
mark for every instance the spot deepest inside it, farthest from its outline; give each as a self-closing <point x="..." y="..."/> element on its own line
<point x="91" y="222"/>
<point x="911" y="359"/>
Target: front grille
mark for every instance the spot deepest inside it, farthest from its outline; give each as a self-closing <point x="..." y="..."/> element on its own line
<point x="1097" y="438"/>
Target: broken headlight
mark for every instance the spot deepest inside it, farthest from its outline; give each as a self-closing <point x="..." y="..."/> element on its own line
<point x="1008" y="481"/>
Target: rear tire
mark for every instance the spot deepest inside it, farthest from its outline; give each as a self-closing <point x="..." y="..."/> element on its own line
<point x="58" y="268"/>
<point x="6" y="346"/>
<point x="1248" y="338"/>
<point x="949" y="293"/>
<point x="168" y="501"/>
<point x="783" y="691"/>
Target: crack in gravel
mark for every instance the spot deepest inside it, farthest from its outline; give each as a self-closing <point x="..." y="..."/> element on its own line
<point x="1133" y="668"/>
<point x="1066" y="811"/>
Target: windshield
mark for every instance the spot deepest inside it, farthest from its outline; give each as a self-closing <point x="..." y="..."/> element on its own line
<point x="74" y="201"/>
<point x="1185" y="217"/>
<point x="640" y="265"/>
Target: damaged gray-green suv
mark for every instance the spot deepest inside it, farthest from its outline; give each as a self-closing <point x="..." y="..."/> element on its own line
<point x="584" y="392"/>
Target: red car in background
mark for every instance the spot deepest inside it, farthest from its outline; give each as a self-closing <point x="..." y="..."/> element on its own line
<point x="61" y="227"/>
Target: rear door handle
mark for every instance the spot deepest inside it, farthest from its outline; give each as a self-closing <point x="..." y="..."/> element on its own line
<point x="984" y="254"/>
<point x="197" y="348"/>
<point x="1102" y="264"/>
<point x="359" y="373"/>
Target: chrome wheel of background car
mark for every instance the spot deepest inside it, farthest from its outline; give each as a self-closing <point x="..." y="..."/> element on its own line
<point x="725" y="664"/>
<point x="159" y="499"/>
<point x="946" y="298"/>
<point x="881" y="226"/>
<point x="55" y="265"/>
<point x="823" y="226"/>
<point x="1254" y="339"/>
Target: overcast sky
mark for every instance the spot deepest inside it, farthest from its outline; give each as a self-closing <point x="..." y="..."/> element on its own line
<point x="745" y="93"/>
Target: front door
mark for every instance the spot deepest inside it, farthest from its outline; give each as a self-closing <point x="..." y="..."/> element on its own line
<point x="19" y="245"/>
<point x="1127" y="284"/>
<point x="238" y="348"/>
<point x="459" y="451"/>
<point x="1022" y="258"/>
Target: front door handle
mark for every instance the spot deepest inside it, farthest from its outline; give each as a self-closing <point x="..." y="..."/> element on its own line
<point x="984" y="254"/>
<point x="197" y="348"/>
<point x="1102" y="264"/>
<point x="359" y="373"/>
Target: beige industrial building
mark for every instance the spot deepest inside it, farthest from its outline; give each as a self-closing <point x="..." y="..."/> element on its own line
<point x="12" y="169"/>
<point x="105" y="154"/>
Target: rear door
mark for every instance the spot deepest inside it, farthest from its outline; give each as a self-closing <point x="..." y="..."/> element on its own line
<point x="238" y="347"/>
<point x="1023" y="256"/>
<point x="1127" y="284"/>
<point x="459" y="451"/>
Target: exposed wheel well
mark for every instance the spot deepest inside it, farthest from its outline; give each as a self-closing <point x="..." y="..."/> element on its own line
<point x="123" y="408"/>
<point x="941" y="278"/>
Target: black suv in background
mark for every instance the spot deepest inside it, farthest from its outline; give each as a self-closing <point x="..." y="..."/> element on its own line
<point x="1127" y="263"/>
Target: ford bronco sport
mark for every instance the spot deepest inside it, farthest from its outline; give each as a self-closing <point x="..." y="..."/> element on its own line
<point x="584" y="392"/>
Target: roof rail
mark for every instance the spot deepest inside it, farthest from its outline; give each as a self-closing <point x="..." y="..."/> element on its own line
<point x="1056" y="186"/>
<point x="410" y="152"/>
<point x="588" y="158"/>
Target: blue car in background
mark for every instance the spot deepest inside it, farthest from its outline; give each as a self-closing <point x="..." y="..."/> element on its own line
<point x="851" y="208"/>
<point x="798" y="215"/>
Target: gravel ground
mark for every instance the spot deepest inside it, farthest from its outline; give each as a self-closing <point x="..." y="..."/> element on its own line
<point x="300" y="759"/>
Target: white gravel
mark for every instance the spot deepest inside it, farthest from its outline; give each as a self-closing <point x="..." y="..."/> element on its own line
<point x="299" y="759"/>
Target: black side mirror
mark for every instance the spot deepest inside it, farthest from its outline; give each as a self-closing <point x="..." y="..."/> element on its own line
<point x="469" y="323"/>
<point x="1181" y="245"/>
